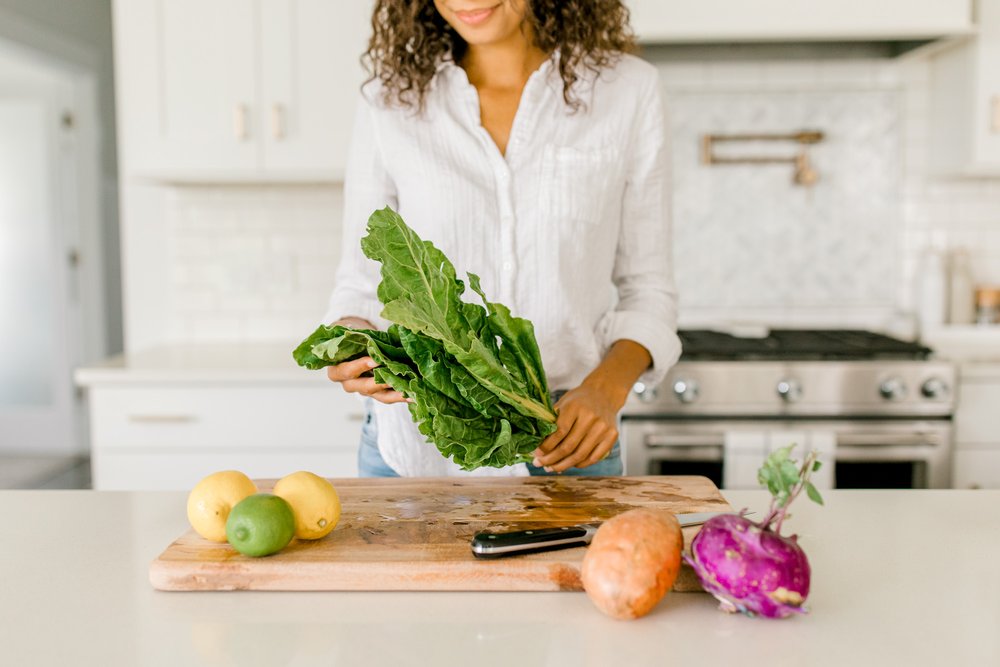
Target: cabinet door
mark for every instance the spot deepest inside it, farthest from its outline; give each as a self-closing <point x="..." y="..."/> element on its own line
<point x="168" y="436"/>
<point x="187" y="79"/>
<point x="976" y="421"/>
<point x="145" y="469"/>
<point x="311" y="77"/>
<point x="986" y="105"/>
<point x="686" y="21"/>
<point x="977" y="469"/>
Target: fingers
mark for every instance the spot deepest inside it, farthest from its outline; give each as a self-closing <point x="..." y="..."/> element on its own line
<point x="351" y="376"/>
<point x="349" y="370"/>
<point x="594" y="437"/>
<point x="390" y="396"/>
<point x="364" y="385"/>
<point x="602" y="450"/>
<point x="568" y="445"/>
<point x="563" y="427"/>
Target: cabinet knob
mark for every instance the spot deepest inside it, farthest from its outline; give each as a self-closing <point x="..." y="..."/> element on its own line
<point x="645" y="394"/>
<point x="686" y="390"/>
<point x="934" y="388"/>
<point x="892" y="389"/>
<point x="241" y="122"/>
<point x="790" y="390"/>
<point x="278" y="121"/>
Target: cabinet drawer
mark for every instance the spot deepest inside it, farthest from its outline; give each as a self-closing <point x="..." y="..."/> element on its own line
<point x="977" y="469"/>
<point x="279" y="416"/>
<point x="179" y="469"/>
<point x="976" y="418"/>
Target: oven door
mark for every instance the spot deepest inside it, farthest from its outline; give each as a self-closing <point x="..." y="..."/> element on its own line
<point x="861" y="453"/>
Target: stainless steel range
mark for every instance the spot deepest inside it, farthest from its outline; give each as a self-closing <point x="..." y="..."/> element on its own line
<point x="878" y="409"/>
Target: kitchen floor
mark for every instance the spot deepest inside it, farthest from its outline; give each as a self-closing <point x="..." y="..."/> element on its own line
<point x="45" y="472"/>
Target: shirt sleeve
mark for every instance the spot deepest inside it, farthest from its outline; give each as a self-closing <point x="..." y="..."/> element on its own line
<point x="367" y="187"/>
<point x="646" y="311"/>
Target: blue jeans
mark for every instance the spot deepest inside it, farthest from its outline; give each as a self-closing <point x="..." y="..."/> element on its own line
<point x="371" y="463"/>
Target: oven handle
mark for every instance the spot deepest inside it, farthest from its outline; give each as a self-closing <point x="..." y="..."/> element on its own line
<point x="844" y="439"/>
<point x="683" y="440"/>
<point x="918" y="439"/>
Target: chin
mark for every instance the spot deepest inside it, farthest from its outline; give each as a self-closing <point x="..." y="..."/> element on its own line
<point x="500" y="25"/>
<point x="482" y="36"/>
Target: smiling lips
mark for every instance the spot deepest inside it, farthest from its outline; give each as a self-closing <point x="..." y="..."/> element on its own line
<point x="474" y="16"/>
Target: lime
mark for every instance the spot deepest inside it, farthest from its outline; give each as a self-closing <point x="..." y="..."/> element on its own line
<point x="260" y="525"/>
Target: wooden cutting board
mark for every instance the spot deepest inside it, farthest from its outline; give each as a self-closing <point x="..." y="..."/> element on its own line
<point x="414" y="534"/>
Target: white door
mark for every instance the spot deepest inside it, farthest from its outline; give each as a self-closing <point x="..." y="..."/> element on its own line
<point x="39" y="326"/>
<point x="311" y="77"/>
<point x="191" y="71"/>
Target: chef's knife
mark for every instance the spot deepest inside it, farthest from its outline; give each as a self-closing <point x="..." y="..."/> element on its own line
<point x="497" y="545"/>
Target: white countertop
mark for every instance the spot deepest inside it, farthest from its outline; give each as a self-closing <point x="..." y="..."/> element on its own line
<point x="200" y="362"/>
<point x="899" y="577"/>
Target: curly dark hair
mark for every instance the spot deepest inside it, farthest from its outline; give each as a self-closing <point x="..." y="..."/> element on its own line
<point x="409" y="38"/>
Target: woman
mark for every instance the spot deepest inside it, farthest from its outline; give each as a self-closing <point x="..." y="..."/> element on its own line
<point x="521" y="138"/>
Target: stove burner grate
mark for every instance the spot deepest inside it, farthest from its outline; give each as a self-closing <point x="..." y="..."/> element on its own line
<point x="799" y="345"/>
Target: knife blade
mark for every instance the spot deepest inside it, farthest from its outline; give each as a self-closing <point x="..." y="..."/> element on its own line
<point x="513" y="543"/>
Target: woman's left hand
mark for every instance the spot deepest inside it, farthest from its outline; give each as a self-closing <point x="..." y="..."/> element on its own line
<point x="587" y="428"/>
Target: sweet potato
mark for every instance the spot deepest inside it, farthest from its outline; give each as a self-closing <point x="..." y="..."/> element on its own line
<point x="632" y="562"/>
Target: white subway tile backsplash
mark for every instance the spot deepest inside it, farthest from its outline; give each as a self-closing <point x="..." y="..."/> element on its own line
<point x="252" y="263"/>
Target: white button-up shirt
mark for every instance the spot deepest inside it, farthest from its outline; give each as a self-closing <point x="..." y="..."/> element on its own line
<point x="570" y="229"/>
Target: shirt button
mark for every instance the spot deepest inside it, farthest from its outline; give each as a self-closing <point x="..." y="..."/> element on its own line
<point x="507" y="266"/>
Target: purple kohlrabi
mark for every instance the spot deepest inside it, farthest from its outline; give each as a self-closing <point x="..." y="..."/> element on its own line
<point x="750" y="567"/>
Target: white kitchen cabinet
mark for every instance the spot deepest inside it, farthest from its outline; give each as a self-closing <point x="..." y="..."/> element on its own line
<point x="680" y="21"/>
<point x="977" y="427"/>
<point x="169" y="435"/>
<point x="238" y="90"/>
<point x="310" y="81"/>
<point x="964" y="121"/>
<point x="977" y="469"/>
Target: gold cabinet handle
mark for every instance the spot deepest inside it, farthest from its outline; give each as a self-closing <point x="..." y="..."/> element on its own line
<point x="241" y="122"/>
<point x="162" y="419"/>
<point x="278" y="121"/>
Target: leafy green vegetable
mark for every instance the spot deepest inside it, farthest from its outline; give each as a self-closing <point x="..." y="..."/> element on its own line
<point x="785" y="480"/>
<point x="474" y="372"/>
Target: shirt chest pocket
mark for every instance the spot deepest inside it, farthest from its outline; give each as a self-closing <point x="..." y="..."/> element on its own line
<point x="580" y="185"/>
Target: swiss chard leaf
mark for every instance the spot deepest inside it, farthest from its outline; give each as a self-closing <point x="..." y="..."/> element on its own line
<point x="474" y="372"/>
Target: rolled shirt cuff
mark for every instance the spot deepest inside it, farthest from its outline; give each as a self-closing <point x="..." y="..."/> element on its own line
<point x="660" y="341"/>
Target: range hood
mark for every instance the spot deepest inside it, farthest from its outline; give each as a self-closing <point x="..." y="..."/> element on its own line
<point x="885" y="27"/>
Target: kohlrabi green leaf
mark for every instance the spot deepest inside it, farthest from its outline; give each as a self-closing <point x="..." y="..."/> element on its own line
<point x="813" y="494"/>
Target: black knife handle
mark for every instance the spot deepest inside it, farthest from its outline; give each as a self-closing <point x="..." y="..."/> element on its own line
<point x="497" y="545"/>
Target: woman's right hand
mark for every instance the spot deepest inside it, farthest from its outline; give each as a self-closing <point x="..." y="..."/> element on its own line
<point x="354" y="376"/>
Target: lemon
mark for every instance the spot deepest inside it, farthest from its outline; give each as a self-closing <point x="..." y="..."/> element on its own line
<point x="314" y="502"/>
<point x="260" y="525"/>
<point x="211" y="500"/>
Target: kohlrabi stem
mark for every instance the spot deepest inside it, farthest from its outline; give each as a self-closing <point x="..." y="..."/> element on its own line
<point x="776" y="513"/>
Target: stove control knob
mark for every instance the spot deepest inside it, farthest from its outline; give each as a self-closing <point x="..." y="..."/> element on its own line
<point x="686" y="391"/>
<point x="645" y="394"/>
<point x="790" y="390"/>
<point x="892" y="389"/>
<point x="934" y="388"/>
